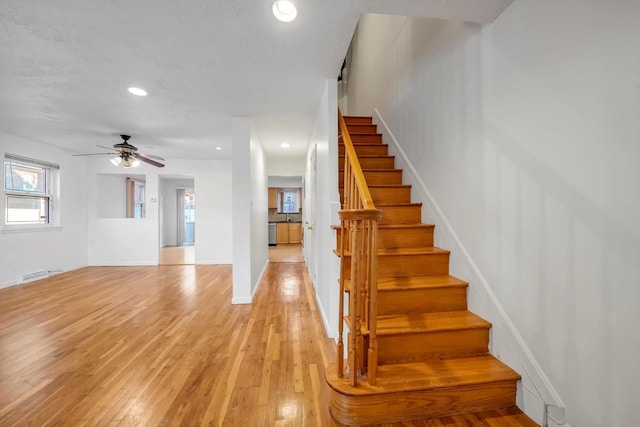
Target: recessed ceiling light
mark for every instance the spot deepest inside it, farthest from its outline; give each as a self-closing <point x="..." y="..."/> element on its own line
<point x="284" y="10"/>
<point x="285" y="145"/>
<point x="218" y="148"/>
<point x="137" y="91"/>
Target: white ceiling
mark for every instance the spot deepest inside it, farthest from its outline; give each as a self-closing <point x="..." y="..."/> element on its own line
<point x="65" y="66"/>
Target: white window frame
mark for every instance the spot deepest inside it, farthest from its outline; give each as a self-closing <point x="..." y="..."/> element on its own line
<point x="50" y="194"/>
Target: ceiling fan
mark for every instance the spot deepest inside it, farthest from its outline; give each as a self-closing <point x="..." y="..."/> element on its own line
<point x="127" y="155"/>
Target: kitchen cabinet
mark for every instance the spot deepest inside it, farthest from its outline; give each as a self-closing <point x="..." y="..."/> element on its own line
<point x="289" y="232"/>
<point x="295" y="232"/>
<point x="273" y="198"/>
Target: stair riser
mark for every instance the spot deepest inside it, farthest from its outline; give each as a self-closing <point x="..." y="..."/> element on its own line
<point x="357" y="120"/>
<point x="362" y="128"/>
<point x="401" y="214"/>
<point x="383" y="408"/>
<point x="372" y="162"/>
<point x="367" y="150"/>
<point x="409" y="265"/>
<point x="392" y="176"/>
<point x="387" y="195"/>
<point x="411" y="347"/>
<point x="365" y="138"/>
<point x="390" y="238"/>
<point x="422" y="300"/>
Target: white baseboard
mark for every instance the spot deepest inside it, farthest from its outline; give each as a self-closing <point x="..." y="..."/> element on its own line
<point x="213" y="262"/>
<point x="241" y="300"/>
<point x="513" y="348"/>
<point x="249" y="299"/>
<point x="8" y="284"/>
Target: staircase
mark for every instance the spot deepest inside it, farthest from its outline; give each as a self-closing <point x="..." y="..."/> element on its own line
<point x="432" y="353"/>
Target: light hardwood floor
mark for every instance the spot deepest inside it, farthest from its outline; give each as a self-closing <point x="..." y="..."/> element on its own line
<point x="177" y="255"/>
<point x="285" y="253"/>
<point x="163" y="346"/>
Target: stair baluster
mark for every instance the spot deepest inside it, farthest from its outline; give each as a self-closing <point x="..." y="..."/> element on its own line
<point x="359" y="218"/>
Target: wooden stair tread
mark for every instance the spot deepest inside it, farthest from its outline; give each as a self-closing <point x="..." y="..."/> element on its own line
<point x="393" y="324"/>
<point x="427" y="375"/>
<point x="388" y="284"/>
<point x="418" y="282"/>
<point x="397" y="226"/>
<point x="410" y="225"/>
<point x="426" y="250"/>
<point x="382" y="170"/>
<point x="381" y="205"/>
<point x="369" y="155"/>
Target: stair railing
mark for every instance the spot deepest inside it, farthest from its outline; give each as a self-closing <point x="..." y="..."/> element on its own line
<point x="358" y="234"/>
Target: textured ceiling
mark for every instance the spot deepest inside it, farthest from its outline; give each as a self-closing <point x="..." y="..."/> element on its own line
<point x="65" y="66"/>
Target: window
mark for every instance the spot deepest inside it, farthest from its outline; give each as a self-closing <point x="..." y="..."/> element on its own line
<point x="289" y="201"/>
<point x="29" y="191"/>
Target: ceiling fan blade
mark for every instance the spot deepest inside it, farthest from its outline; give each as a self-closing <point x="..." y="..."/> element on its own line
<point x="102" y="146"/>
<point x="144" y="158"/>
<point x="151" y="156"/>
<point x="95" y="154"/>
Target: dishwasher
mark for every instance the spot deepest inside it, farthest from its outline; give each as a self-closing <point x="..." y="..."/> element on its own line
<point x="273" y="234"/>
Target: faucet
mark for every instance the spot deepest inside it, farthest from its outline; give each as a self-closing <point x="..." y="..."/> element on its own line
<point x="288" y="218"/>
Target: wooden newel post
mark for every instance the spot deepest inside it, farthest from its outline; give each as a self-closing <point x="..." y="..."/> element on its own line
<point x="362" y="227"/>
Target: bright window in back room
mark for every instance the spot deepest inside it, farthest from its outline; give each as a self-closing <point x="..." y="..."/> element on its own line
<point x="30" y="191"/>
<point x="289" y="202"/>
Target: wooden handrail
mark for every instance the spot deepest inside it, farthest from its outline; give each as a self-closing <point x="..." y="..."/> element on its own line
<point x="350" y="153"/>
<point x="359" y="230"/>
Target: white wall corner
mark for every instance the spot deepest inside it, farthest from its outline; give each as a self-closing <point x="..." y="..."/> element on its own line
<point x="259" y="281"/>
<point x="506" y="342"/>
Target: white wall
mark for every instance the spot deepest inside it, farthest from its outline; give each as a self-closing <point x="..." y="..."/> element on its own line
<point x="524" y="136"/>
<point x="321" y="242"/>
<point x="250" y="234"/>
<point x="61" y="248"/>
<point x="169" y="207"/>
<point x="128" y="241"/>
<point x="285" y="181"/>
<point x="285" y="166"/>
<point x="259" y="212"/>
<point x="113" y="196"/>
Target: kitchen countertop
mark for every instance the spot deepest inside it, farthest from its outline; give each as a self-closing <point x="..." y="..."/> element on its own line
<point x="272" y="222"/>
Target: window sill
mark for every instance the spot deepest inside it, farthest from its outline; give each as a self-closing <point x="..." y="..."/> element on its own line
<point x="29" y="228"/>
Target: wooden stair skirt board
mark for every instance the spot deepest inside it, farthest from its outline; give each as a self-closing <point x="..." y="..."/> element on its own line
<point x="432" y="355"/>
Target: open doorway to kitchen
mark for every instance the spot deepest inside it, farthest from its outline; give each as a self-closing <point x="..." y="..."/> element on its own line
<point x="177" y="220"/>
<point x="285" y="213"/>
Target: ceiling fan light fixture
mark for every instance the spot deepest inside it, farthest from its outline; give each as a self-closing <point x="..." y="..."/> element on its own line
<point x="116" y="161"/>
<point x="137" y="91"/>
<point x="284" y="10"/>
<point x="130" y="162"/>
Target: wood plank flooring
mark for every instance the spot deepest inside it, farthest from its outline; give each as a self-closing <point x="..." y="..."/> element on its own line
<point x="285" y="253"/>
<point x="163" y="346"/>
<point x="177" y="255"/>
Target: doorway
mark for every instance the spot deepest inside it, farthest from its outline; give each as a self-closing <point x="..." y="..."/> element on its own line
<point x="186" y="217"/>
<point x="177" y="220"/>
